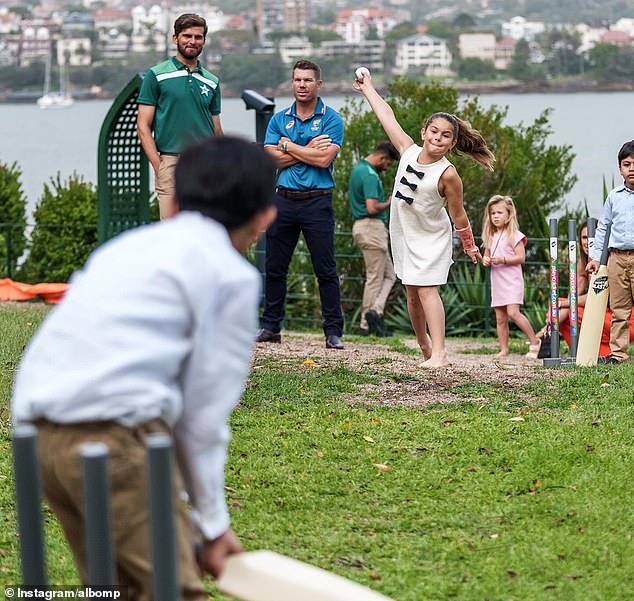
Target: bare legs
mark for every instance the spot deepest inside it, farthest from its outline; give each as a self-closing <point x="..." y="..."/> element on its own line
<point x="502" y="316"/>
<point x="426" y="311"/>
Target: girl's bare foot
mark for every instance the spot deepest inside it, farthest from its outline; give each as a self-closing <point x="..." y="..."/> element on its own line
<point x="440" y="360"/>
<point x="426" y="350"/>
<point x="502" y="354"/>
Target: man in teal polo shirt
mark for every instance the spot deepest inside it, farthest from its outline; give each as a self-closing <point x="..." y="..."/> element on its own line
<point x="370" y="234"/>
<point x="305" y="139"/>
<point x="180" y="101"/>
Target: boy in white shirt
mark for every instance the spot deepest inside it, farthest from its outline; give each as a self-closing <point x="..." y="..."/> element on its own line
<point x="155" y="335"/>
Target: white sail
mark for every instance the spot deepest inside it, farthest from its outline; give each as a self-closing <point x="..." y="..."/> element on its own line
<point x="54" y="100"/>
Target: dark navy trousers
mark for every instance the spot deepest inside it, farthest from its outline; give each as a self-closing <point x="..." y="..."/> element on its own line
<point x="315" y="218"/>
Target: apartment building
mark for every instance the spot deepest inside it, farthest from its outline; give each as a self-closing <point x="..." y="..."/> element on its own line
<point x="477" y="45"/>
<point x="423" y="51"/>
<point x="282" y="15"/>
<point x="353" y="25"/>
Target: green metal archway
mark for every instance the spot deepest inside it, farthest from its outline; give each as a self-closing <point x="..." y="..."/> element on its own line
<point x="123" y="176"/>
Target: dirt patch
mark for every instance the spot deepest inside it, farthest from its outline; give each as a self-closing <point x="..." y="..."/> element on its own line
<point x="472" y="373"/>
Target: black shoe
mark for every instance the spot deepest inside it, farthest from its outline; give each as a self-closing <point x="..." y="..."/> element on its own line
<point x="265" y="335"/>
<point x="544" y="347"/>
<point x="333" y="341"/>
<point x="375" y="323"/>
<point x="363" y="332"/>
<point x="609" y="360"/>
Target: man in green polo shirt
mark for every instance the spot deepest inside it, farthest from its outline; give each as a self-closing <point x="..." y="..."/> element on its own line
<point x="370" y="234"/>
<point x="180" y="101"/>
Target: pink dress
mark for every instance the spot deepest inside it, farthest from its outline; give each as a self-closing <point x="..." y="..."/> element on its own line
<point x="507" y="281"/>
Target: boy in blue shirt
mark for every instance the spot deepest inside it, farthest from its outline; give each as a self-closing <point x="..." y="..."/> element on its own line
<point x="618" y="211"/>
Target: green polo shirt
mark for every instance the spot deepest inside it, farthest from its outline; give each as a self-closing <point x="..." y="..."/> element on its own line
<point x="365" y="183"/>
<point x="185" y="102"/>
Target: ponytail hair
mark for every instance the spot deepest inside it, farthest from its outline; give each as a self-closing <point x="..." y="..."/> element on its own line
<point x="468" y="141"/>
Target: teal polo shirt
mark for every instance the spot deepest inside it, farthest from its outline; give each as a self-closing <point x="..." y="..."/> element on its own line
<point x="287" y="124"/>
<point x="365" y="183"/>
<point x="185" y="102"/>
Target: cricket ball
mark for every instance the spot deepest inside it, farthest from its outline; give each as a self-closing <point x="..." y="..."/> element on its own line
<point x="361" y="72"/>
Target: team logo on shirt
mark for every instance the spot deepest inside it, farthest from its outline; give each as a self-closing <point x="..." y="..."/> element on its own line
<point x="204" y="90"/>
<point x="315" y="125"/>
<point x="290" y="124"/>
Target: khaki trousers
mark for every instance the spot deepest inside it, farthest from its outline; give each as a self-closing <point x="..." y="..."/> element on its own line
<point x="59" y="456"/>
<point x="164" y="184"/>
<point x="371" y="236"/>
<point x="621" y="282"/>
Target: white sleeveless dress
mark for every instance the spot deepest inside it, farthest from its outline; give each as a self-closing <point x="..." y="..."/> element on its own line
<point x="420" y="232"/>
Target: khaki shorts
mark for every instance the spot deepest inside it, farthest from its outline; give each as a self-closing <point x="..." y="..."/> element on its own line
<point x="165" y="186"/>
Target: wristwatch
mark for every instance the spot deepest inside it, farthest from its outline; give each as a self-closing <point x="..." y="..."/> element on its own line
<point x="284" y="145"/>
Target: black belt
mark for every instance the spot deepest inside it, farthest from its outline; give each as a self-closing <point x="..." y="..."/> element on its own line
<point x="170" y="154"/>
<point x="301" y="194"/>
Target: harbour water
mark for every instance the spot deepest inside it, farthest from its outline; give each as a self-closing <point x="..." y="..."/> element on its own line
<point x="595" y="125"/>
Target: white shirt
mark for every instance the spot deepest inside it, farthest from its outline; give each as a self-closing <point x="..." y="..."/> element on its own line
<point x="160" y="323"/>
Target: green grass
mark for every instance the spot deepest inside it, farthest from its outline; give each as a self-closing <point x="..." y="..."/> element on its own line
<point x="524" y="496"/>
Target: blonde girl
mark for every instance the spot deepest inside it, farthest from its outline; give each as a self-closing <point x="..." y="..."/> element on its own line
<point x="420" y="228"/>
<point x="504" y="253"/>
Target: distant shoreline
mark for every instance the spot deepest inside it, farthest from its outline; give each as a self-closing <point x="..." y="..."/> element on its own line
<point x="471" y="88"/>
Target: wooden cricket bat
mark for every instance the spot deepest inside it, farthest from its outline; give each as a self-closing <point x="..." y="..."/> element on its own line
<point x="594" y="312"/>
<point x="268" y="576"/>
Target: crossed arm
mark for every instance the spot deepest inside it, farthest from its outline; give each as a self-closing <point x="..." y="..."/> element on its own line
<point x="319" y="152"/>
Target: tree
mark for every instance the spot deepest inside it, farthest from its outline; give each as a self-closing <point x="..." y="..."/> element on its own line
<point x="612" y="63"/>
<point x="18" y="78"/>
<point x="399" y="32"/>
<point x="65" y="231"/>
<point x="372" y="34"/>
<point x="464" y="21"/>
<point x="12" y="218"/>
<point x="317" y="36"/>
<point x="476" y="69"/>
<point x="252" y="71"/>
<point x="522" y="67"/>
<point x="20" y="9"/>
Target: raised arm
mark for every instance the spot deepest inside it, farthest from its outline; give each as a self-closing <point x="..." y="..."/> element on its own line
<point x="384" y="113"/>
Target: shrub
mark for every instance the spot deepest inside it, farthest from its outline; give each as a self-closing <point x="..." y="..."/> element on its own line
<point x="12" y="218"/>
<point x="65" y="230"/>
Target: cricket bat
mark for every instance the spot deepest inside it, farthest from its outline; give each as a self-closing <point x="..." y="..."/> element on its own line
<point x="268" y="576"/>
<point x="594" y="312"/>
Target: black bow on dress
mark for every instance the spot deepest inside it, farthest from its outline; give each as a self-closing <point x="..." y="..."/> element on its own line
<point x="408" y="199"/>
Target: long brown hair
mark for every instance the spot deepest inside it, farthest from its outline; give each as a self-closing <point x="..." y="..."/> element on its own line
<point x="468" y="141"/>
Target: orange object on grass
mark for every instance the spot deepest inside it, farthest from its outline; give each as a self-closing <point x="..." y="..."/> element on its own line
<point x="17" y="291"/>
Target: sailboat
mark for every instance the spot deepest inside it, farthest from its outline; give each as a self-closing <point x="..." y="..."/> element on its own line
<point x="54" y="100"/>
